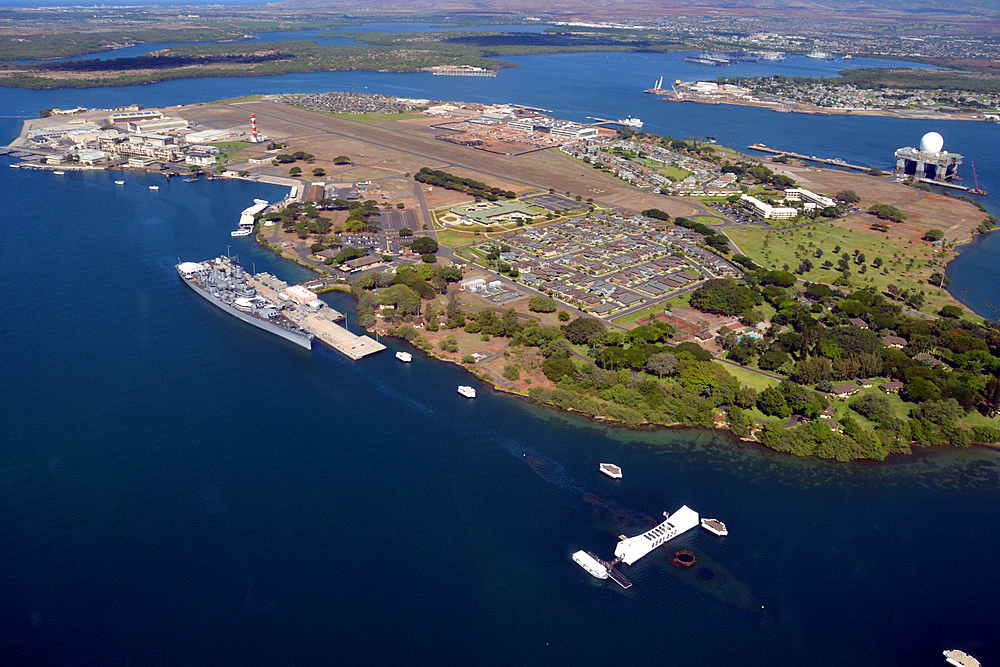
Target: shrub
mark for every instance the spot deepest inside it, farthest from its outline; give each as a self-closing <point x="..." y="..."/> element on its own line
<point x="511" y="373"/>
<point x="469" y="359"/>
<point x="555" y="369"/>
<point x="563" y="316"/>
<point x="951" y="311"/>
<point x="542" y="304"/>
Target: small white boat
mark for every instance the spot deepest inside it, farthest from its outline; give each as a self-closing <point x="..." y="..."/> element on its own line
<point x="611" y="470"/>
<point x="59" y="172"/>
<point x="244" y="231"/>
<point x="591" y="564"/>
<point x="715" y="527"/>
<point x="119" y="182"/>
<point x="960" y="659"/>
<point x="467" y="391"/>
<point x="154" y="187"/>
<point x="405" y="357"/>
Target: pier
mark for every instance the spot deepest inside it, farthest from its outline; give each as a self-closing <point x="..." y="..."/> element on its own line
<point x="322" y="323"/>
<point x="836" y="162"/>
<point x="944" y="184"/>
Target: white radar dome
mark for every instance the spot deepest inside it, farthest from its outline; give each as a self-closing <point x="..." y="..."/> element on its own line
<point x="932" y="142"/>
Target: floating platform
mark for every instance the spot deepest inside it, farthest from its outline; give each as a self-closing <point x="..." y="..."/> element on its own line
<point x="960" y="659"/>
<point x="715" y="527"/>
<point x="611" y="470"/>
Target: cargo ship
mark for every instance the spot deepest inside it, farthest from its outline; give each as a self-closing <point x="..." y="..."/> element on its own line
<point x="224" y="284"/>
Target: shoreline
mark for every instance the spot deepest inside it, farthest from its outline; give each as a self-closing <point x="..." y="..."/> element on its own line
<point x="599" y="412"/>
<point x="754" y="442"/>
<point x="926" y="115"/>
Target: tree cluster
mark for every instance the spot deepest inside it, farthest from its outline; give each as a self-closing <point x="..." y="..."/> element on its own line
<point x="443" y="179"/>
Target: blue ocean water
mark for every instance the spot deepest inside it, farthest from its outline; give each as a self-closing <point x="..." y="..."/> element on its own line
<point x="179" y="488"/>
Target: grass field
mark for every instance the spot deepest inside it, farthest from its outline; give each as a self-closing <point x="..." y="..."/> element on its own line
<point x="453" y="239"/>
<point x="672" y="172"/>
<point x="232" y="144"/>
<point x="706" y="219"/>
<point x="379" y="117"/>
<point x="750" y="379"/>
<point x="629" y="321"/>
<point x="232" y="100"/>
<point x="907" y="264"/>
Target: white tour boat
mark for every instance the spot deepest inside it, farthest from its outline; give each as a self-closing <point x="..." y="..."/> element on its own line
<point x="467" y="391"/>
<point x="960" y="659"/>
<point x="715" y="527"/>
<point x="119" y="182"/>
<point x="59" y="172"/>
<point x="591" y="564"/>
<point x="405" y="357"/>
<point x="154" y="187"/>
<point x="242" y="231"/>
<point x="611" y="470"/>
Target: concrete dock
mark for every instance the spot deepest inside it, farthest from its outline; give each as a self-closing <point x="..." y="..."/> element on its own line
<point x="321" y="323"/>
<point x="339" y="338"/>
<point x="812" y="158"/>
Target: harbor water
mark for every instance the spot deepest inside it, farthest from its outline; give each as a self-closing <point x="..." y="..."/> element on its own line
<point x="179" y="488"/>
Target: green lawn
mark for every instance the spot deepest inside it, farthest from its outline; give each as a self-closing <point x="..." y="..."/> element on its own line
<point x="629" y="321"/>
<point x="672" y="172"/>
<point x="232" y="144"/>
<point x="245" y="98"/>
<point x="453" y="239"/>
<point x="750" y="379"/>
<point x="379" y="117"/>
<point x="707" y="220"/>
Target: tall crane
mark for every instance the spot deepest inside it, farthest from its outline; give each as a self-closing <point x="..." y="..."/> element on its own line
<point x="977" y="190"/>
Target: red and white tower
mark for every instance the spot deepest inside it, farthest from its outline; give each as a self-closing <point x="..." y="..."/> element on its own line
<point x="253" y="127"/>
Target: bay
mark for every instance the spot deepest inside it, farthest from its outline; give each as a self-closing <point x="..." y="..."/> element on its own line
<point x="179" y="488"/>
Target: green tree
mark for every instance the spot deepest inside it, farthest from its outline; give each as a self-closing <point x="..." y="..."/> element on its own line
<point x="848" y="197"/>
<point x="661" y="363"/>
<point x="772" y="402"/>
<point x="511" y="373"/>
<point x="584" y="330"/>
<point x="725" y="297"/>
<point x="556" y="369"/>
<point x="542" y="304"/>
<point x="563" y="316"/>
<point x="402" y="298"/>
<point x="424" y="245"/>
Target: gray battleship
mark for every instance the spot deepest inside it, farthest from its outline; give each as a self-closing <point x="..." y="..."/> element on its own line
<point x="226" y="285"/>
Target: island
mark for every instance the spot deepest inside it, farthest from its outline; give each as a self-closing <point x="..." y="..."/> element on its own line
<point x="631" y="278"/>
